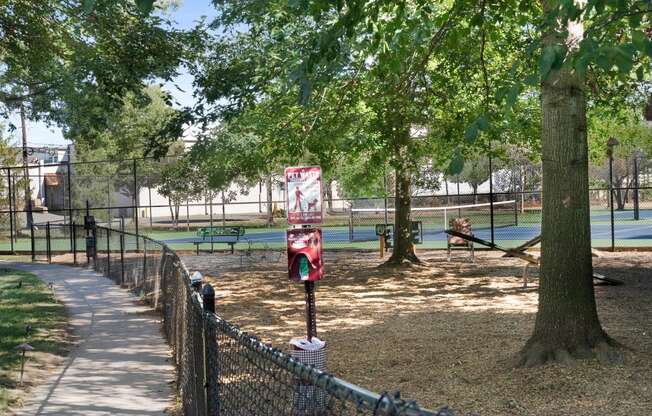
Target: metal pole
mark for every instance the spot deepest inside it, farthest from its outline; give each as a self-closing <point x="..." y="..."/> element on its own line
<point x="611" y="202"/>
<point x="385" y="201"/>
<point x="149" y="191"/>
<point x="311" y="312"/>
<point x="28" y="197"/>
<point x="48" y="247"/>
<point x="459" y="210"/>
<point x="15" y="206"/>
<point x="74" y="244"/>
<point x="491" y="197"/>
<point x="108" y="198"/>
<point x="636" y="205"/>
<point x="136" y="209"/>
<point x="211" y="217"/>
<point x="11" y="211"/>
<point x="31" y="234"/>
<point x="122" y="258"/>
<point x="108" y="251"/>
<point x="70" y="202"/>
<point x="223" y="210"/>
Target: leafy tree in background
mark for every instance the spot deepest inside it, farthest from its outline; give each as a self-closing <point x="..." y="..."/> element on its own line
<point x="635" y="140"/>
<point x="475" y="173"/>
<point x="143" y="118"/>
<point x="62" y="59"/>
<point x="180" y="181"/>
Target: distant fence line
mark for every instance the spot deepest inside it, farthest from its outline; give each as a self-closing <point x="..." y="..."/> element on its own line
<point x="128" y="194"/>
<point x="221" y="370"/>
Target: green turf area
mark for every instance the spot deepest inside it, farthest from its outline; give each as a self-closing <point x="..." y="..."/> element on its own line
<point x="30" y="304"/>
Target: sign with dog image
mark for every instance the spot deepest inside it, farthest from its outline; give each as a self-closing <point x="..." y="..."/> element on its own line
<point x="304" y="195"/>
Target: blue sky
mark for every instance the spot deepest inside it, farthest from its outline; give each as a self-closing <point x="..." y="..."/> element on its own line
<point x="185" y="16"/>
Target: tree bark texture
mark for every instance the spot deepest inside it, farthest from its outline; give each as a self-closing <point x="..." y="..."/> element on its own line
<point x="403" y="251"/>
<point x="567" y="324"/>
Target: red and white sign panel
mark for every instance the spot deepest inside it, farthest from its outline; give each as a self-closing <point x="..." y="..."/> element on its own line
<point x="305" y="254"/>
<point x="304" y="195"/>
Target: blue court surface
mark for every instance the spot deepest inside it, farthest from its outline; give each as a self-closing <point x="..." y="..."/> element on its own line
<point x="630" y="230"/>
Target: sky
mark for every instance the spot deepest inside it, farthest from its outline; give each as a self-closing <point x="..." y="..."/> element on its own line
<point x="185" y="17"/>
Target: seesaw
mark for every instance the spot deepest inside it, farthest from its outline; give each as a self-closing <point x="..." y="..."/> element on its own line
<point x="529" y="258"/>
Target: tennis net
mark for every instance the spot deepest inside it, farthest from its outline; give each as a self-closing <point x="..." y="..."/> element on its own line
<point x="362" y="221"/>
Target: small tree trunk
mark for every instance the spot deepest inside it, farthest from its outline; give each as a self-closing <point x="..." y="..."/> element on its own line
<point x="475" y="193"/>
<point x="171" y="210"/>
<point x="329" y="195"/>
<point x="567" y="324"/>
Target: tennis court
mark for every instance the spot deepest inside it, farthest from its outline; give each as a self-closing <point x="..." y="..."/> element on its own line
<point x="510" y="227"/>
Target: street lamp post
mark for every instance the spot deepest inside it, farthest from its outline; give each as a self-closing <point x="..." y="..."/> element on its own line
<point x="610" y="152"/>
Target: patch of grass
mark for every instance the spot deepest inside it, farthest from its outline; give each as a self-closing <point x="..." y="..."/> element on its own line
<point x="26" y="300"/>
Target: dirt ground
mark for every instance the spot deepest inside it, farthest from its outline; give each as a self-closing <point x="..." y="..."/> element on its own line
<point x="446" y="333"/>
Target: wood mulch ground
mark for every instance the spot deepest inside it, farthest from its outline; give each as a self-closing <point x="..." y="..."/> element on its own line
<point x="446" y="333"/>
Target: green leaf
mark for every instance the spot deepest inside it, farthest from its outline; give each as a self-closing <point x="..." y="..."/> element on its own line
<point x="471" y="132"/>
<point x="638" y="40"/>
<point x="145" y="6"/>
<point x="532" y="80"/>
<point x="604" y="62"/>
<point x="88" y="5"/>
<point x="456" y="164"/>
<point x="581" y="64"/>
<point x="305" y="89"/>
<point x="512" y="95"/>
<point x="640" y="73"/>
<point x="483" y="123"/>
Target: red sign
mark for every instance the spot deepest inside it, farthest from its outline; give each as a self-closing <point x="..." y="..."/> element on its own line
<point x="305" y="254"/>
<point x="304" y="195"/>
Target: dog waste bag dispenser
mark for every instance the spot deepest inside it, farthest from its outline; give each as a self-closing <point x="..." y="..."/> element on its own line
<point x="305" y="254"/>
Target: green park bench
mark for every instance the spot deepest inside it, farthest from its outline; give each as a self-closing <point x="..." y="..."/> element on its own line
<point x="219" y="234"/>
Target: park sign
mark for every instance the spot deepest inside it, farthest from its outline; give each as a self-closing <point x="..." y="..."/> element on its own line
<point x="304" y="195"/>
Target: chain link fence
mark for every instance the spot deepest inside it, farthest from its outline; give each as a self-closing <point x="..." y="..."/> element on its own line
<point x="221" y="370"/>
<point x="127" y="195"/>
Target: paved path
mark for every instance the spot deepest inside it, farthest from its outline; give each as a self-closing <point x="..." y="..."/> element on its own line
<point x="120" y="365"/>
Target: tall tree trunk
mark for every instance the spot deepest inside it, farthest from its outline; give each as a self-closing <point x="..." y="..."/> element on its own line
<point x="403" y="247"/>
<point x="567" y="324"/>
<point x="270" y="213"/>
<point x="403" y="251"/>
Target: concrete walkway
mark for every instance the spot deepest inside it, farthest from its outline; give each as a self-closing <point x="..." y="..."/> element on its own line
<point x="120" y="365"/>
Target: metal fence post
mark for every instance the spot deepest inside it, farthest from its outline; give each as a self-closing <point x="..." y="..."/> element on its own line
<point x="136" y="213"/>
<point x="108" y="252"/>
<point x="122" y="259"/>
<point x="31" y="234"/>
<point x="144" y="259"/>
<point x="491" y="198"/>
<point x="70" y="205"/>
<point x="611" y="203"/>
<point x="74" y="244"/>
<point x="11" y="213"/>
<point x="515" y="210"/>
<point x="211" y="353"/>
<point x="48" y="247"/>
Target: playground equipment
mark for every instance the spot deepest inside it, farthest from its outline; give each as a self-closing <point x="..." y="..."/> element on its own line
<point x="461" y="225"/>
<point x="529" y="258"/>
